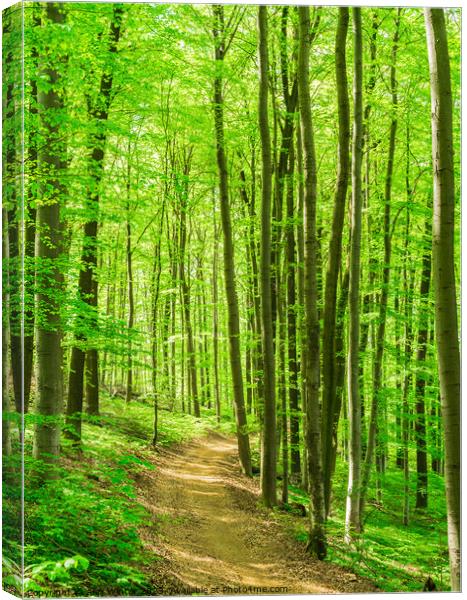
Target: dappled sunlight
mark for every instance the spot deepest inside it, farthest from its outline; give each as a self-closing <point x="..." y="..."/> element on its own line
<point x="213" y="535"/>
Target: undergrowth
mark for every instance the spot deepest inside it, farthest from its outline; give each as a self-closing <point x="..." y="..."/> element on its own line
<point x="81" y="529"/>
<point x="395" y="557"/>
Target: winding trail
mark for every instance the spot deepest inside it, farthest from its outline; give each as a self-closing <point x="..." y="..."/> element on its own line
<point x="213" y="536"/>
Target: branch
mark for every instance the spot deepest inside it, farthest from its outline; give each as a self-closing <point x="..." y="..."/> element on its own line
<point x="240" y="18"/>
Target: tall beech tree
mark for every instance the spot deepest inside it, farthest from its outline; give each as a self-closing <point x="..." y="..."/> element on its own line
<point x="6" y="441"/>
<point x="49" y="247"/>
<point x="185" y="288"/>
<point x="30" y="232"/>
<point x="374" y="445"/>
<point x="317" y="539"/>
<point x="130" y="279"/>
<point x="420" y="383"/>
<point x="292" y="330"/>
<point x="98" y="111"/>
<point x="222" y="41"/>
<point x="13" y="203"/>
<point x="352" y="517"/>
<point x="447" y="334"/>
<point x="329" y="424"/>
<point x="268" y="450"/>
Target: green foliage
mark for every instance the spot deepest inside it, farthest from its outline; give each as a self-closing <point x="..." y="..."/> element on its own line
<point x="81" y="529"/>
<point x="395" y="557"/>
<point x="42" y="576"/>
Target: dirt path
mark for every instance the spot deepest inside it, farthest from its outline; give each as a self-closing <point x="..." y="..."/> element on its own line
<point x="214" y="538"/>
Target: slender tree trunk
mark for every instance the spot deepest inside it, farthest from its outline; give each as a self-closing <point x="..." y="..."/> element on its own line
<point x="87" y="284"/>
<point x="279" y="163"/>
<point x="352" y="517"/>
<point x="154" y="301"/>
<point x="12" y="201"/>
<point x="434" y="427"/>
<point x="409" y="284"/>
<point x="185" y="288"/>
<point x="373" y="429"/>
<point x="49" y="279"/>
<point x="335" y="258"/>
<point x="206" y="353"/>
<point x="6" y="441"/>
<point x="447" y="334"/>
<point x="301" y="300"/>
<point x="368" y="299"/>
<point x="341" y="359"/>
<point x="252" y="251"/>
<point x="281" y="378"/>
<point x="184" y="406"/>
<point x="92" y="364"/>
<point x="268" y="450"/>
<point x="398" y="370"/>
<point x="229" y="265"/>
<point x="215" y="318"/>
<point x="92" y="378"/>
<point x="250" y="374"/>
<point x="420" y="382"/>
<point x="131" y="299"/>
<point x="295" y="466"/>
<point x="317" y="539"/>
<point x="30" y="232"/>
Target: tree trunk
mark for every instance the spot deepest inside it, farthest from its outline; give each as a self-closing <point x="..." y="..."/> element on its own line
<point x="373" y="428"/>
<point x="131" y="301"/>
<point x="447" y="334"/>
<point x="154" y="302"/>
<point x="206" y="353"/>
<point x="49" y="279"/>
<point x="317" y="540"/>
<point x="87" y="284"/>
<point x="215" y="320"/>
<point x="252" y="252"/>
<point x="341" y="359"/>
<point x="12" y="202"/>
<point x="12" y="270"/>
<point x="6" y="441"/>
<point x="268" y="450"/>
<point x="352" y="517"/>
<point x="409" y="284"/>
<point x="30" y="232"/>
<point x="335" y="258"/>
<point x="281" y="377"/>
<point x="229" y="265"/>
<point x="301" y="299"/>
<point x="420" y="382"/>
<point x="295" y="466"/>
<point x="368" y="298"/>
<point x="186" y="290"/>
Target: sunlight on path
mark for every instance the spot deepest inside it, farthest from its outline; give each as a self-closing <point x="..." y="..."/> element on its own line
<point x="212" y="533"/>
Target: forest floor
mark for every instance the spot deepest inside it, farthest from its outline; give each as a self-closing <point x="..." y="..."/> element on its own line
<point x="210" y="535"/>
<point x="124" y="519"/>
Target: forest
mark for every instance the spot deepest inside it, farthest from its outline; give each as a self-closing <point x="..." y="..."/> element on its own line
<point x="231" y="267"/>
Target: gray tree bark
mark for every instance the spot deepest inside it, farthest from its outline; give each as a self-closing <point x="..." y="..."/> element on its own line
<point x="420" y="381"/>
<point x="352" y="517"/>
<point x="446" y="328"/>
<point x="329" y="423"/>
<point x="87" y="284"/>
<point x="229" y="262"/>
<point x="317" y="539"/>
<point x="49" y="279"/>
<point x="268" y="450"/>
<point x="373" y="428"/>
